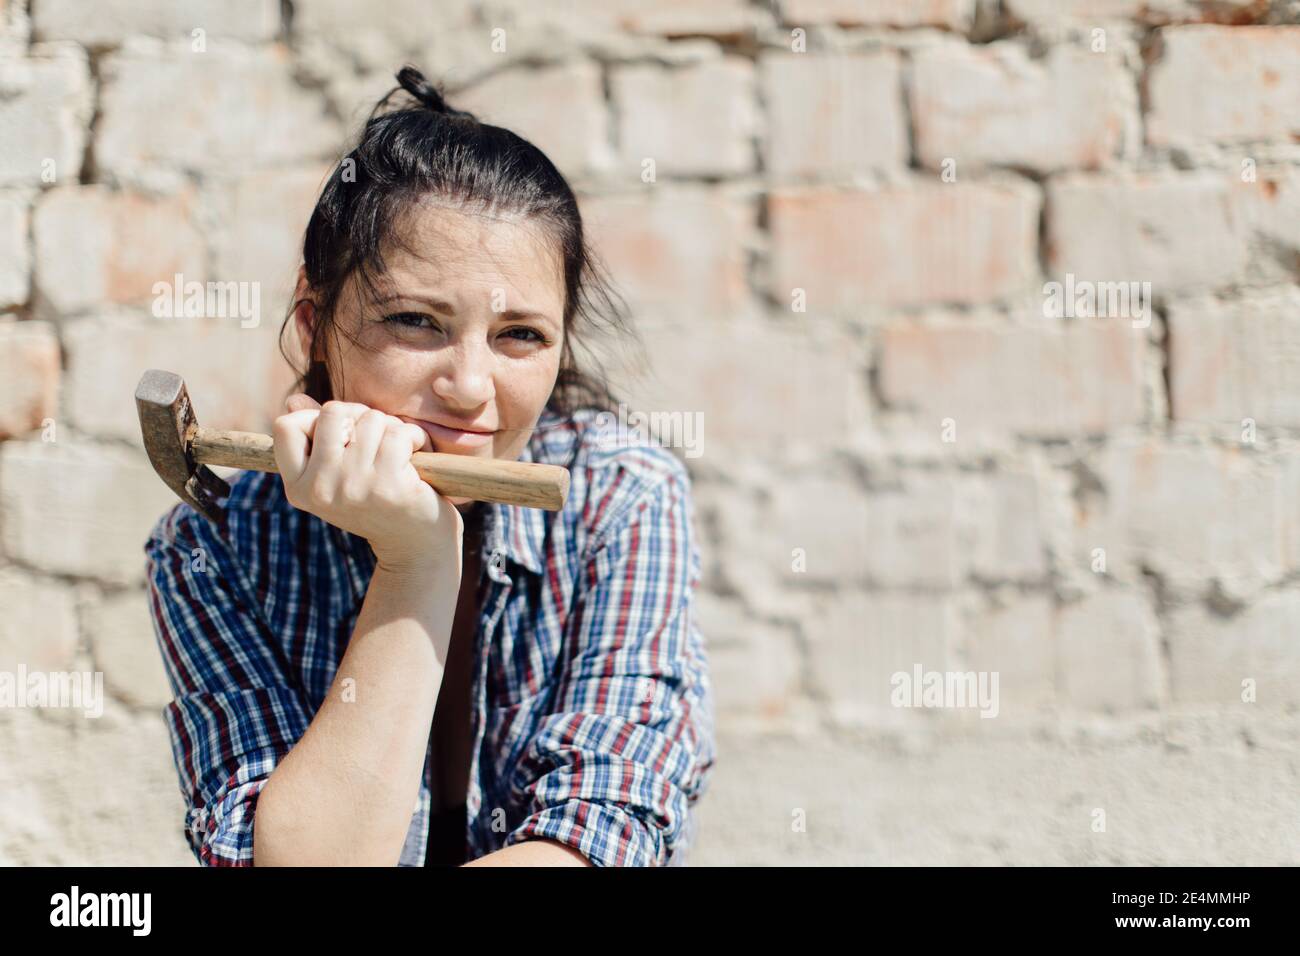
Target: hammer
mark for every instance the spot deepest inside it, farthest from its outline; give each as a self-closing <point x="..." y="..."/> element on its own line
<point x="181" y="450"/>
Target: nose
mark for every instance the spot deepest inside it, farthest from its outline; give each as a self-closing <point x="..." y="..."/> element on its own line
<point x="464" y="379"/>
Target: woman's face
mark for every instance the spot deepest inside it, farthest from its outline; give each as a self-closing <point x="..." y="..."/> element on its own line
<point x="462" y="335"/>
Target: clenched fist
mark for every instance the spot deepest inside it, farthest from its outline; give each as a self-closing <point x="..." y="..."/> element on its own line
<point x="350" y="465"/>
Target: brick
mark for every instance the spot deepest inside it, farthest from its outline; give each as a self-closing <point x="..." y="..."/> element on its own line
<point x="15" y="258"/>
<point x="924" y="530"/>
<point x="1289" y="508"/>
<point x="951" y="14"/>
<point x="910" y="535"/>
<point x="903" y="245"/>
<point x="14" y="23"/>
<point x="1178" y="232"/>
<point x="39" y="626"/>
<point x="1211" y="654"/>
<point x="1225" y="84"/>
<point x="697" y="120"/>
<point x="858" y="641"/>
<point x="1189" y="514"/>
<point x="55" y="807"/>
<point x="70" y="507"/>
<point x="760" y="575"/>
<point x="959" y="98"/>
<point x="820" y="123"/>
<point x="1269" y="212"/>
<point x="1084" y="378"/>
<point x="398" y="18"/>
<point x="231" y="108"/>
<point x="1015" y="640"/>
<point x="45" y="110"/>
<point x="115" y="20"/>
<point x="1234" y="360"/>
<point x="671" y="246"/>
<point x="560" y="110"/>
<point x="1046" y="13"/>
<point x="263" y="217"/>
<point x="236" y="377"/>
<point x="376" y="40"/>
<point x="826" y="518"/>
<point x="669" y="17"/>
<point x="785" y="390"/>
<point x="753" y="664"/>
<point x="1003" y="536"/>
<point x="95" y="246"/>
<point x="29" y="376"/>
<point x="1022" y="799"/>
<point x="122" y="640"/>
<point x="1109" y="647"/>
<point x="1046" y="16"/>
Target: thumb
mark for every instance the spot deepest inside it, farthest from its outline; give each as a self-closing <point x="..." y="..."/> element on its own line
<point x="300" y="401"/>
<point x="419" y="438"/>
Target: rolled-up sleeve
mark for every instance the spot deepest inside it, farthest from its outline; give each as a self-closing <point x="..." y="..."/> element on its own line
<point x="616" y="768"/>
<point x="236" y="712"/>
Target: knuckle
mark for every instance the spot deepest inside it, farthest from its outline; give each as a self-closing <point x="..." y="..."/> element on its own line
<point x="337" y="409"/>
<point x="321" y="489"/>
<point x="355" y="490"/>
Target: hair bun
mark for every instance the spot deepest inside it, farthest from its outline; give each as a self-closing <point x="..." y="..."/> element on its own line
<point x="415" y="83"/>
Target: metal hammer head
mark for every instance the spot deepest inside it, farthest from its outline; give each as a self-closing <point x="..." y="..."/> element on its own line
<point x="167" y="425"/>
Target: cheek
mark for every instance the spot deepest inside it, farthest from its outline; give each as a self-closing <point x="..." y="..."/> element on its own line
<point x="383" y="378"/>
<point x="522" y="388"/>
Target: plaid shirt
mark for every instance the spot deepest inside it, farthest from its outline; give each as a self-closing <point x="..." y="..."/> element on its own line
<point x="592" y="704"/>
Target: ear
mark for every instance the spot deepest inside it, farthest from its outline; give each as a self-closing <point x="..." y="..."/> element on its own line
<point x="304" y="312"/>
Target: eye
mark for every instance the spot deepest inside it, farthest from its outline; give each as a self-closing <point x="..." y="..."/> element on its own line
<point x="529" y="334"/>
<point x="408" y="320"/>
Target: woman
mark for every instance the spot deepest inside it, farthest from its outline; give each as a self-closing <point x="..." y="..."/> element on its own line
<point x="347" y="644"/>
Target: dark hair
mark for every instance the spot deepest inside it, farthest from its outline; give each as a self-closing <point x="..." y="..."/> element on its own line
<point x="425" y="147"/>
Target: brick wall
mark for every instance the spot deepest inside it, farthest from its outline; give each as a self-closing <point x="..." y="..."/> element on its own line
<point x="837" y="222"/>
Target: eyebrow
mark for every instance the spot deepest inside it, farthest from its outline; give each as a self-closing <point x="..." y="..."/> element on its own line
<point x="509" y="315"/>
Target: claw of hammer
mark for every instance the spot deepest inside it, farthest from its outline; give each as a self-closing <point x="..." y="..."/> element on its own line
<point x="168" y="425"/>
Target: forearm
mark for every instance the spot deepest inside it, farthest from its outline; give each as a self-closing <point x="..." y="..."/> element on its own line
<point x="345" y="793"/>
<point x="539" y="852"/>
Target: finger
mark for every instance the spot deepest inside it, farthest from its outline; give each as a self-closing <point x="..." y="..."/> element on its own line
<point x="400" y="442"/>
<point x="292" y="442"/>
<point x="334" y="429"/>
<point x="299" y="401"/>
<point x="365" y="443"/>
<point x="421" y="438"/>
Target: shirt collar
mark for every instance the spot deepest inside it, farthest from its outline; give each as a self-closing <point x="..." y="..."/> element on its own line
<point x="518" y="533"/>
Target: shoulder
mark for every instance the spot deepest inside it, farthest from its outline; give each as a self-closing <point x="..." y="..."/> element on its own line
<point x="252" y="494"/>
<point x="616" y="471"/>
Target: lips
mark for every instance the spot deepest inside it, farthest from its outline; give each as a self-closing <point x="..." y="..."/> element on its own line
<point x="452" y="426"/>
<point x="447" y="437"/>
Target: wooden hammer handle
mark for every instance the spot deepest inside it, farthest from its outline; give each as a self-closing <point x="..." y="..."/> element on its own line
<point x="528" y="484"/>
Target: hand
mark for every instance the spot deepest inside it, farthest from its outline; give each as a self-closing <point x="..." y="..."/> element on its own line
<point x="351" y="465"/>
